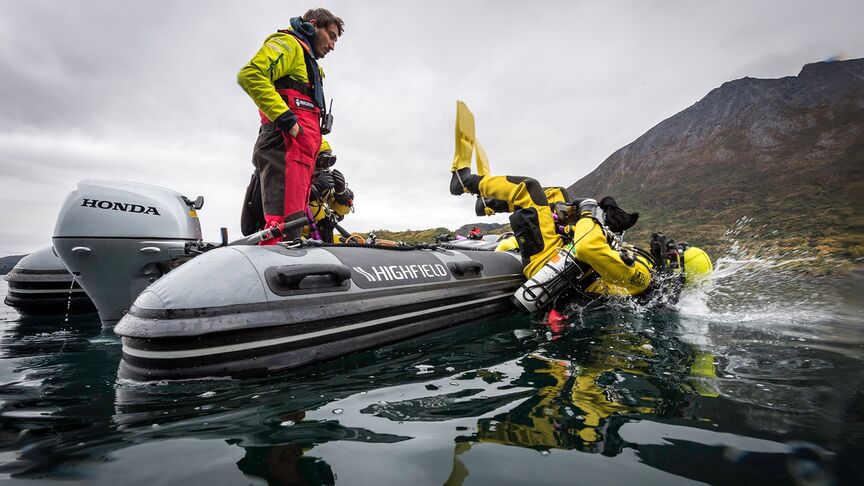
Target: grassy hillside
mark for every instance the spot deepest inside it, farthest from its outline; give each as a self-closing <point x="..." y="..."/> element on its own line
<point x="784" y="155"/>
<point x="429" y="235"/>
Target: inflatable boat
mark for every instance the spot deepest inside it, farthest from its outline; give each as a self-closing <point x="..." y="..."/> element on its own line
<point x="190" y="309"/>
<point x="269" y="308"/>
<point x="39" y="284"/>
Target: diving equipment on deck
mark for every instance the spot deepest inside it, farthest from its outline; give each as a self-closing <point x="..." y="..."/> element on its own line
<point x="486" y="243"/>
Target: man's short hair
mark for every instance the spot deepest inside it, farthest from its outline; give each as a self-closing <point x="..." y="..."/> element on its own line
<point x="324" y="18"/>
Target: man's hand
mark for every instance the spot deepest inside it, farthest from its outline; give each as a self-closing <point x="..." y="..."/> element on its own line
<point x="287" y="122"/>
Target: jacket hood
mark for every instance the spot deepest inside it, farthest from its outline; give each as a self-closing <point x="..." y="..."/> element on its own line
<point x="306" y="30"/>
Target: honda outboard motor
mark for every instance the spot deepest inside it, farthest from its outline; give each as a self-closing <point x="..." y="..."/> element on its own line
<point x="118" y="237"/>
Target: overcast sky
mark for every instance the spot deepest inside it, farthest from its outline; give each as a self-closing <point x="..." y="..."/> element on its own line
<point x="147" y="92"/>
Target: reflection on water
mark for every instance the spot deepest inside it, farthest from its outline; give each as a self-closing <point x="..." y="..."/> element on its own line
<point x="755" y="378"/>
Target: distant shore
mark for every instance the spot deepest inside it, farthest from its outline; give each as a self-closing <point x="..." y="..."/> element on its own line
<point x="9" y="262"/>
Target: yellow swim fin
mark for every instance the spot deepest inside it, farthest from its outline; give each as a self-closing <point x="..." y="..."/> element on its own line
<point x="464" y="137"/>
<point x="482" y="160"/>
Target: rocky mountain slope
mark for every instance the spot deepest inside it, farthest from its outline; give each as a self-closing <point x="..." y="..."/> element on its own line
<point x="787" y="154"/>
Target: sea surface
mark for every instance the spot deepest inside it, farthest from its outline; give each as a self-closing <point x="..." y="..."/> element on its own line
<point x="757" y="377"/>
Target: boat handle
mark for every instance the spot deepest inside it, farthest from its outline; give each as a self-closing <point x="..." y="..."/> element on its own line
<point x="292" y="275"/>
<point x="466" y="269"/>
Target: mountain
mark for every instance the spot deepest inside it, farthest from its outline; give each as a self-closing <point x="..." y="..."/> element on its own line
<point x="430" y="235"/>
<point x="786" y="155"/>
<point x="7" y="263"/>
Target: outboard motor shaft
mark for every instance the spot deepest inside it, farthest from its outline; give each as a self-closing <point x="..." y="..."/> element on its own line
<point x="118" y="237"/>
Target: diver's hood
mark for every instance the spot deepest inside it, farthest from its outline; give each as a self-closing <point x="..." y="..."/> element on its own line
<point x="617" y="220"/>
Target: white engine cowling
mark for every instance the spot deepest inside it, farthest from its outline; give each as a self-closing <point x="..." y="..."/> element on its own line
<point x="118" y="237"/>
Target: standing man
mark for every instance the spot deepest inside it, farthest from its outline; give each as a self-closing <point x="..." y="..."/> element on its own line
<point x="285" y="82"/>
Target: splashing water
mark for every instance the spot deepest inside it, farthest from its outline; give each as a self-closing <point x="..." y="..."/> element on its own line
<point x="755" y="283"/>
<point x="744" y="290"/>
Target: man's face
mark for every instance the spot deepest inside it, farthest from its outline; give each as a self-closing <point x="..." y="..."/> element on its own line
<point x="325" y="40"/>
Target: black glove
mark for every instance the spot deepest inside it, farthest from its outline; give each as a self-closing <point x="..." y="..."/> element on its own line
<point x="659" y="250"/>
<point x="627" y="258"/>
<point x="346" y="198"/>
<point x="617" y="219"/>
<point x="322" y="182"/>
<point x="338" y="181"/>
<point x="286" y="121"/>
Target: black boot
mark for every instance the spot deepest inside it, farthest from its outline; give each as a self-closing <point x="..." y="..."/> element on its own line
<point x="495" y="205"/>
<point x="464" y="181"/>
<point x="480" y="207"/>
<point x="457" y="181"/>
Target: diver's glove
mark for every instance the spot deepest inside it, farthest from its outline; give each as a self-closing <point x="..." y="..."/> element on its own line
<point x="338" y="181"/>
<point x="345" y="198"/>
<point x="286" y="122"/>
<point x="660" y="250"/>
<point x="617" y="220"/>
<point x="320" y="185"/>
<point x="627" y="257"/>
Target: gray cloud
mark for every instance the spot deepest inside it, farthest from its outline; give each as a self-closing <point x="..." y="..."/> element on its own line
<point x="146" y="91"/>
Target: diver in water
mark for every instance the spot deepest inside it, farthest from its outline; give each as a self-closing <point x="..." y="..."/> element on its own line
<point x="563" y="243"/>
<point x="542" y="229"/>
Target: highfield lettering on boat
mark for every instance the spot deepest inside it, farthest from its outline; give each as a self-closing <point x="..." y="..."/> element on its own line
<point x="119" y="206"/>
<point x="381" y="273"/>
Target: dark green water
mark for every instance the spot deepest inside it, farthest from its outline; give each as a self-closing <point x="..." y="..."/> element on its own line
<point x="757" y="378"/>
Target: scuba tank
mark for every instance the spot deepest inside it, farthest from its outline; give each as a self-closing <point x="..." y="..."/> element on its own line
<point x="548" y="283"/>
<point x="562" y="269"/>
